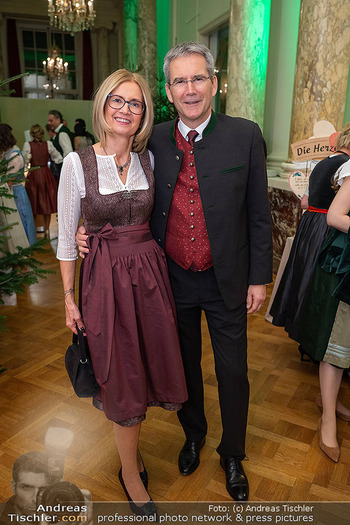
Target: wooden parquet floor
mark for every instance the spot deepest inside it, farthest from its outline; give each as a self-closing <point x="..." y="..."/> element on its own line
<point x="285" y="462"/>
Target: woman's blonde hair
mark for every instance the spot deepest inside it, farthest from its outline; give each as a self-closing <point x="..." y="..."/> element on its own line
<point x="101" y="128"/>
<point x="37" y="132"/>
<point x="343" y="140"/>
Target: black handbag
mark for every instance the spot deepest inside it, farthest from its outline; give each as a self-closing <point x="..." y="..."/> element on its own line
<point x="79" y="367"/>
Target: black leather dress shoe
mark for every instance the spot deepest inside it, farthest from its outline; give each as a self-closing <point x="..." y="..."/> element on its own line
<point x="189" y="456"/>
<point x="236" y="480"/>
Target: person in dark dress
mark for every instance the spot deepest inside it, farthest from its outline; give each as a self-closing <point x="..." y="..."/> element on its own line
<point x="325" y="322"/>
<point x="128" y="310"/>
<point x="310" y="234"/>
<point x="41" y="184"/>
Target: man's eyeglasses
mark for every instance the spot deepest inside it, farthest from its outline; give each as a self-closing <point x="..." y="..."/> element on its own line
<point x="197" y="81"/>
<point x="117" y="102"/>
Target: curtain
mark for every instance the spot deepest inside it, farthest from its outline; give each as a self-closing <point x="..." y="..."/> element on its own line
<point x="88" y="83"/>
<point x="14" y="65"/>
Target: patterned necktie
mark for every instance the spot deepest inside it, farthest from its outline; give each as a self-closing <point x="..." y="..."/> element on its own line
<point x="192" y="135"/>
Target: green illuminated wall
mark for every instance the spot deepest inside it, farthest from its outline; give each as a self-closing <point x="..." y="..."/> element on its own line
<point x="284" y="27"/>
<point x="130" y="34"/>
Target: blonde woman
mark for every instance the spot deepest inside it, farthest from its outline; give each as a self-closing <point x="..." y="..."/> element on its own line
<point x="41" y="185"/>
<point x="309" y="236"/>
<point x="127" y="307"/>
<point x="325" y="333"/>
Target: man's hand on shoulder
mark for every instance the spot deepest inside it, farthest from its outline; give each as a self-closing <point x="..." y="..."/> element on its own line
<point x="80" y="239"/>
<point x="255" y="297"/>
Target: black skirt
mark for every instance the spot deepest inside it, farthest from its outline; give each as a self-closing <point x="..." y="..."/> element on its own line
<point x="307" y="243"/>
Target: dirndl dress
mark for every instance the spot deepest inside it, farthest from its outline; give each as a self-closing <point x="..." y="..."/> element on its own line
<point x="41" y="185"/>
<point x="311" y="232"/>
<point x="127" y="303"/>
<point x="325" y="317"/>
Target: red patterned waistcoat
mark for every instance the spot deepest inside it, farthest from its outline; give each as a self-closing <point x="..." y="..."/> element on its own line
<point x="187" y="241"/>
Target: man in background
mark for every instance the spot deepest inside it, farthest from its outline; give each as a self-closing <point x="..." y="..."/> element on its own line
<point x="64" y="138"/>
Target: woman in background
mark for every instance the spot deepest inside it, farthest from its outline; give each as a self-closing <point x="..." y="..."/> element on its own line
<point x="325" y="327"/>
<point x="310" y="234"/>
<point x="12" y="154"/>
<point x="82" y="138"/>
<point x="41" y="185"/>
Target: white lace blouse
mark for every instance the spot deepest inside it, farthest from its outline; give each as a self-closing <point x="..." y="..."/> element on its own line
<point x="72" y="189"/>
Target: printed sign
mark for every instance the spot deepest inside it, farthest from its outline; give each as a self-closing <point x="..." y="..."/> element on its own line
<point x="316" y="148"/>
<point x="298" y="182"/>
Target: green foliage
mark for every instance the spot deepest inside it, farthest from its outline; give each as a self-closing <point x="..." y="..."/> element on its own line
<point x="163" y="109"/>
<point x="7" y="81"/>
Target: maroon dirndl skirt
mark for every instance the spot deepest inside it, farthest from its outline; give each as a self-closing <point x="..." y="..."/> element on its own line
<point x="130" y="321"/>
<point x="41" y="187"/>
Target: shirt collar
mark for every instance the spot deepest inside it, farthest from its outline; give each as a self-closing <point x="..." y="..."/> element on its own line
<point x="185" y="129"/>
<point x="58" y="127"/>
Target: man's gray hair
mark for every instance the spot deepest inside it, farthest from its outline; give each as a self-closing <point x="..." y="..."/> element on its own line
<point x="56" y="114"/>
<point x="184" y="49"/>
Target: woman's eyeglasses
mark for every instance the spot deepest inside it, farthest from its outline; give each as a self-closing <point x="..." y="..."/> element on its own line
<point x="117" y="102"/>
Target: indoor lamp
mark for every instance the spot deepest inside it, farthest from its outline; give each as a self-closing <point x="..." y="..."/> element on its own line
<point x="72" y="15"/>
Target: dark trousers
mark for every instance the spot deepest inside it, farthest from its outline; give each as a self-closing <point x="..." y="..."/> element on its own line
<point x="195" y="292"/>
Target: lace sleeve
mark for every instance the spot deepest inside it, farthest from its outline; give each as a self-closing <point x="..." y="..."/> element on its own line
<point x="70" y="192"/>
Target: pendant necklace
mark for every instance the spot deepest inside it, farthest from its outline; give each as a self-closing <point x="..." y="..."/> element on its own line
<point x="121" y="167"/>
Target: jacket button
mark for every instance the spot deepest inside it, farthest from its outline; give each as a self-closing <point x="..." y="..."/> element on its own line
<point x="191" y="213"/>
<point x="191" y="190"/>
<point x="169" y="185"/>
<point x="164" y="214"/>
<point x="191" y="177"/>
<point x="191" y="164"/>
<point x="192" y="226"/>
<point x="192" y="202"/>
<point x="191" y="151"/>
<point x="177" y="157"/>
<point x="192" y="239"/>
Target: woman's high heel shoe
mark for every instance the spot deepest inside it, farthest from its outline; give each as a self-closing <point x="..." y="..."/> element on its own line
<point x="332" y="452"/>
<point x="147" y="509"/>
<point x="144" y="474"/>
<point x="339" y="413"/>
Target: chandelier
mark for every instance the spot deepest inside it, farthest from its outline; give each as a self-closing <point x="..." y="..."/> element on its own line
<point x="53" y="66"/>
<point x="54" y="69"/>
<point x="72" y="15"/>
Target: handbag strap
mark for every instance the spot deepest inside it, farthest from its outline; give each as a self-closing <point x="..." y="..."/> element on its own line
<point x="79" y="339"/>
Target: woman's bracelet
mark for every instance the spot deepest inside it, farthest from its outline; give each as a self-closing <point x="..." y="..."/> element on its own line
<point x="68" y="292"/>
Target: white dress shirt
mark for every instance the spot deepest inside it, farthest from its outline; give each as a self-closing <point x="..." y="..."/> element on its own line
<point x="64" y="141"/>
<point x="185" y="129"/>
